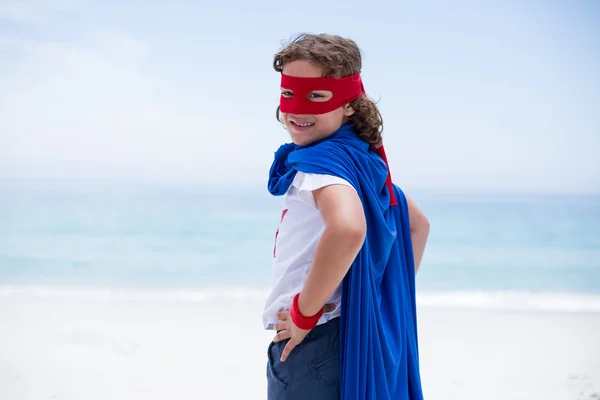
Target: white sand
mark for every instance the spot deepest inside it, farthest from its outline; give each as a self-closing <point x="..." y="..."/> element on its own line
<point x="474" y="354"/>
<point x="81" y="347"/>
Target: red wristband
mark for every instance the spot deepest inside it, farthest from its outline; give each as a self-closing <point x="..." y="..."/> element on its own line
<point x="302" y="322"/>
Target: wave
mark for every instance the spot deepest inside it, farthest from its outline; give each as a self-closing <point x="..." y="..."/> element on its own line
<point x="512" y="300"/>
<point x="217" y="293"/>
<point x="491" y="300"/>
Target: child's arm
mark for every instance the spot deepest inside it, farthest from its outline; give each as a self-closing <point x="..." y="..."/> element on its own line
<point x="419" y="231"/>
<point x="342" y="239"/>
<point x="345" y="229"/>
<point x="344" y="234"/>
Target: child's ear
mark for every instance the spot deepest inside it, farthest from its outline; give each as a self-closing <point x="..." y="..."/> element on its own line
<point x="348" y="110"/>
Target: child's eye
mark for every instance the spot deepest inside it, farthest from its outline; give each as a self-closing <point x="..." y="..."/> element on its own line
<point x="287" y="94"/>
<point x="320" y="95"/>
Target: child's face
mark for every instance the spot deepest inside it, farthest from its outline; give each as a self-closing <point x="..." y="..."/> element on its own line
<point x="305" y="129"/>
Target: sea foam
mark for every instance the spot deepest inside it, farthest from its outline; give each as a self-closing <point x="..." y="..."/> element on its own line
<point x="492" y="300"/>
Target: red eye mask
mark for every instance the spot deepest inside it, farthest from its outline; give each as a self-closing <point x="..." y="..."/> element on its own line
<point x="345" y="90"/>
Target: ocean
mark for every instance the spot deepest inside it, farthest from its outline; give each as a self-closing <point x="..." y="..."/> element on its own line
<point x="137" y="291"/>
<point x="485" y="250"/>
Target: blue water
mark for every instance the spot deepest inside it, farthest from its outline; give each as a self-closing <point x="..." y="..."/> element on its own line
<point x="199" y="237"/>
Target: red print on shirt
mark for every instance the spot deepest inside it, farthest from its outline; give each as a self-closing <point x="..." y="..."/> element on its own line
<point x="277" y="233"/>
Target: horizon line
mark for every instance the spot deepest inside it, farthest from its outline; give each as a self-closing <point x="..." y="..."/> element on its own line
<point x="198" y="184"/>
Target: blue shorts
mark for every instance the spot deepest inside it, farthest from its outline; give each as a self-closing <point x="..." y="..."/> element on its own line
<point x="312" y="370"/>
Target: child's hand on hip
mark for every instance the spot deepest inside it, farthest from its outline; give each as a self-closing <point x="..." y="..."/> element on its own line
<point x="288" y="330"/>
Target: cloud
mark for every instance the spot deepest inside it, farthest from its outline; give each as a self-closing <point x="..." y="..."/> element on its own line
<point x="16" y="11"/>
<point x="31" y="11"/>
<point x="92" y="110"/>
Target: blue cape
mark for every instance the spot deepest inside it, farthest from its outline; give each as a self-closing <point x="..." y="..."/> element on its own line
<point x="378" y="333"/>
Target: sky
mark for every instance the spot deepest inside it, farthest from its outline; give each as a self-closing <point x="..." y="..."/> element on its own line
<point x="500" y="96"/>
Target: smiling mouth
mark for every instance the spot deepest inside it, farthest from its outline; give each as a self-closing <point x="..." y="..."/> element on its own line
<point x="304" y="125"/>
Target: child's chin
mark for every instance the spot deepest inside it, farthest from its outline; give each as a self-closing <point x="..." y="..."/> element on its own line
<point x="301" y="141"/>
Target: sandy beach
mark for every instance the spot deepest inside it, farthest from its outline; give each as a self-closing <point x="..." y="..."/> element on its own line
<point x="82" y="345"/>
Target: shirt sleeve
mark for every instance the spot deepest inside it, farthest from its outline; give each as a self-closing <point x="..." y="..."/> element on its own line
<point x="306" y="183"/>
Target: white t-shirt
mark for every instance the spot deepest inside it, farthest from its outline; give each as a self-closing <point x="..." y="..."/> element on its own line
<point x="296" y="242"/>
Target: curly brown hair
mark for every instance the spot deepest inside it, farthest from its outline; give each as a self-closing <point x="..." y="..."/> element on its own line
<point x="339" y="57"/>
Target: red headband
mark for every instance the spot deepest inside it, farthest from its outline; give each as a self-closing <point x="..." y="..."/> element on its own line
<point x="345" y="90"/>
